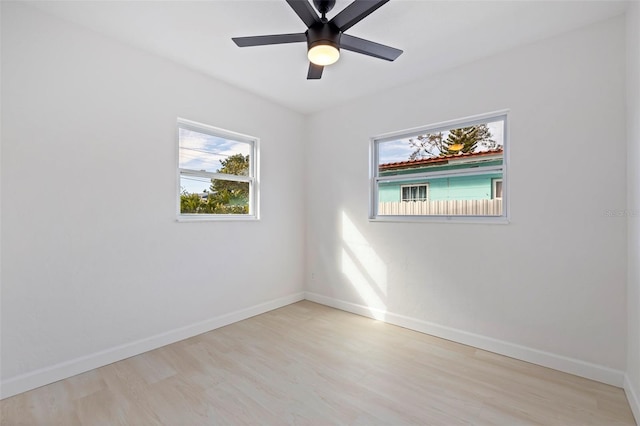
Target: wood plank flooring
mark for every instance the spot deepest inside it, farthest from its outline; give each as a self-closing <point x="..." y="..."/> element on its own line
<point x="309" y="364"/>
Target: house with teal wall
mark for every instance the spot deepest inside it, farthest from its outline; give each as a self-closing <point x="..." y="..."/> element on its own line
<point x="436" y="188"/>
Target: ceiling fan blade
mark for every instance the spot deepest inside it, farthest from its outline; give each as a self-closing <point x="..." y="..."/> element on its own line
<point x="356" y="12"/>
<point x="315" y="71"/>
<point x="367" y="47"/>
<point x="305" y="11"/>
<point x="269" y="39"/>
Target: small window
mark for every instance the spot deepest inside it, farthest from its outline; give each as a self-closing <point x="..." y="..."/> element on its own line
<point x="217" y="173"/>
<point x="414" y="192"/>
<point x="449" y="170"/>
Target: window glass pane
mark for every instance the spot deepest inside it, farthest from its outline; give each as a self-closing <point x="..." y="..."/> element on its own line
<point x="422" y="192"/>
<point x="498" y="189"/>
<point x="446" y="172"/>
<point x="213" y="196"/>
<point x="447" y="196"/>
<point x="405" y="193"/>
<point x="204" y="152"/>
<point x="442" y="150"/>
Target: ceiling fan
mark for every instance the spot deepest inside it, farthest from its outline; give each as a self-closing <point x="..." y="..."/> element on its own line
<point x="326" y="37"/>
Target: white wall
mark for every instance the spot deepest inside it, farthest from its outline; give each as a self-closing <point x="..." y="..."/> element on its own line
<point x="632" y="385"/>
<point x="549" y="286"/>
<point x="93" y="257"/>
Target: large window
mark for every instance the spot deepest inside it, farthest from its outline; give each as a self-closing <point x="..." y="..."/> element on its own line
<point x="217" y="172"/>
<point x="454" y="170"/>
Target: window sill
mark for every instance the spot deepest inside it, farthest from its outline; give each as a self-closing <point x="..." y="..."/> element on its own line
<point x="216" y="218"/>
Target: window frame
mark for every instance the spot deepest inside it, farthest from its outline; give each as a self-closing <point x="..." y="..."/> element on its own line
<point x="375" y="179"/>
<point x="252" y="178"/>
<point x="426" y="192"/>
<point x="494" y="188"/>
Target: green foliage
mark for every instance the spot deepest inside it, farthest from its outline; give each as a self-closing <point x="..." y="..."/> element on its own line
<point x="189" y="203"/>
<point x="469" y="138"/>
<point x="238" y="165"/>
<point x="224" y="196"/>
<point x="432" y="145"/>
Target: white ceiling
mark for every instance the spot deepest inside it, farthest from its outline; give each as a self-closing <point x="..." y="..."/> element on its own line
<point x="435" y="35"/>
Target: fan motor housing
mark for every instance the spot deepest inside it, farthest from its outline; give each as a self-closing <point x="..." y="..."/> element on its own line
<point x="323" y="33"/>
<point x="324" y="6"/>
<point x="326" y="37"/>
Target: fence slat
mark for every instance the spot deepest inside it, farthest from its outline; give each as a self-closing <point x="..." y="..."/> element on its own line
<point x="441" y="208"/>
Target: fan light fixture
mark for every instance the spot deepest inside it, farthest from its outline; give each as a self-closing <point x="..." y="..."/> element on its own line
<point x="456" y="147"/>
<point x="325" y="37"/>
<point x="323" y="54"/>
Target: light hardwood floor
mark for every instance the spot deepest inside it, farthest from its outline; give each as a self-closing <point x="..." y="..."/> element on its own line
<point x="310" y="364"/>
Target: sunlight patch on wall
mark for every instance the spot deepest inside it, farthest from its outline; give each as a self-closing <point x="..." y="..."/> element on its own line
<point x="364" y="253"/>
<point x="364" y="269"/>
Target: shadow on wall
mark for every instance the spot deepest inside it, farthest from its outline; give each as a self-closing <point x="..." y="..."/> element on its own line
<point x="364" y="269"/>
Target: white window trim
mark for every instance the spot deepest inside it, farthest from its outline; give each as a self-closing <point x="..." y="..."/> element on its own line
<point x="410" y="185"/>
<point x="375" y="179"/>
<point x="253" y="178"/>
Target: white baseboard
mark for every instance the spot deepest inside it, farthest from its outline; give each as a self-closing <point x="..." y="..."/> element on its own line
<point x="633" y="396"/>
<point x="546" y="359"/>
<point x="41" y="377"/>
<point x="44" y="376"/>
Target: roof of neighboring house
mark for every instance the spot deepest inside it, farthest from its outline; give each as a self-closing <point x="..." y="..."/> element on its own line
<point x="445" y="159"/>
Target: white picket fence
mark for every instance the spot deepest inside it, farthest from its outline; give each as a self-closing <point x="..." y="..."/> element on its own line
<point x="442" y="208"/>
